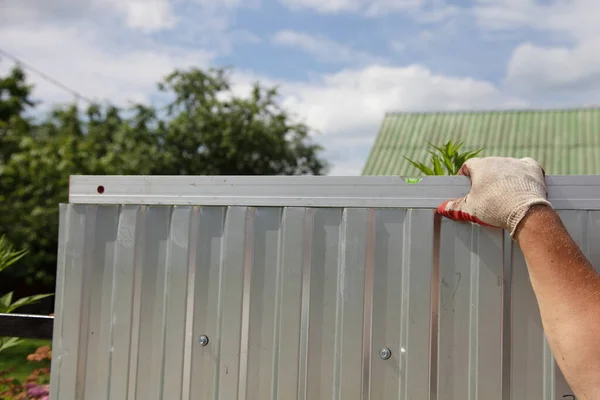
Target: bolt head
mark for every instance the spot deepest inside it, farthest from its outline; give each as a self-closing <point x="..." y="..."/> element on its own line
<point x="203" y="340"/>
<point x="385" y="353"/>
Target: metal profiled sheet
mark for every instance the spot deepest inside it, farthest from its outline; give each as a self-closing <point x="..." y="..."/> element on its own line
<point x="207" y="311"/>
<point x="527" y="344"/>
<point x="263" y="295"/>
<point x="123" y="287"/>
<point x="456" y="267"/>
<point x="99" y="310"/>
<point x="486" y="319"/>
<point x="233" y="289"/>
<point x="289" y="302"/>
<point x="151" y="343"/>
<point x="174" y="302"/>
<point x="401" y="304"/>
<point x="69" y="289"/>
<point x="296" y="303"/>
<point x="470" y="312"/>
<point x="324" y="287"/>
<point x="389" y="306"/>
<point x="356" y="253"/>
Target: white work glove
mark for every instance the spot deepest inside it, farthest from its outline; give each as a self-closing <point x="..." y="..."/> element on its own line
<point x="502" y="191"/>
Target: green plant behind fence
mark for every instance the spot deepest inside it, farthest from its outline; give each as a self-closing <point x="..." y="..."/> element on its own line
<point x="444" y="160"/>
<point x="8" y="257"/>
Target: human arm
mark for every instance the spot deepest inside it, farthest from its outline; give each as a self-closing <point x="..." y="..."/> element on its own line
<point x="511" y="194"/>
<point x="567" y="289"/>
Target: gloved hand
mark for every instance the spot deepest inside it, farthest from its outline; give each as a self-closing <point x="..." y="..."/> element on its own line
<point x="502" y="191"/>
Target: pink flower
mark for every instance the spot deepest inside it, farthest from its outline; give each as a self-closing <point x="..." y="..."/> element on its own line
<point x="39" y="392"/>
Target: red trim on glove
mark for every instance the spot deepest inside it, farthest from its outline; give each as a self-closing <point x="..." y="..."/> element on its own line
<point x="458" y="215"/>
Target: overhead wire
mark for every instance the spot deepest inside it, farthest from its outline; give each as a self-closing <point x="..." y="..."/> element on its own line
<point x="46" y="77"/>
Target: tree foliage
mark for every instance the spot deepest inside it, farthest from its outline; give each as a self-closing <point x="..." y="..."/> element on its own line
<point x="204" y="128"/>
<point x="445" y="160"/>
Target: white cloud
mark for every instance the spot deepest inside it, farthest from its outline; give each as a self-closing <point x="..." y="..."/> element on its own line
<point x="571" y="66"/>
<point x="577" y="19"/>
<point x="539" y="69"/>
<point x="369" y="7"/>
<point x="352" y="102"/>
<point x="81" y="61"/>
<point x="347" y="107"/>
<point x="322" y="48"/>
<point x="144" y="15"/>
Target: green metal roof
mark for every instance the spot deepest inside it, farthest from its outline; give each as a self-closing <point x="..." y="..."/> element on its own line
<point x="565" y="142"/>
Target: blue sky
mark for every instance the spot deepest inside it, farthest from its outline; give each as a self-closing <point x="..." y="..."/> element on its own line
<point x="340" y="64"/>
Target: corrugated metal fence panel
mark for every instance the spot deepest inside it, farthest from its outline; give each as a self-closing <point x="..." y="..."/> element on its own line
<point x="296" y="303"/>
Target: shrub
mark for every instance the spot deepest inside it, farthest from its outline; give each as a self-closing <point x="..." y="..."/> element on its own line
<point x="35" y="386"/>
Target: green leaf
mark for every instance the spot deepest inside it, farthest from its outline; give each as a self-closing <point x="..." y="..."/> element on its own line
<point x="25" y="301"/>
<point x="5" y="302"/>
<point x="448" y="163"/>
<point x="421" y="167"/>
<point x="437" y="165"/>
<point x="6" y="343"/>
<point x="8" y="256"/>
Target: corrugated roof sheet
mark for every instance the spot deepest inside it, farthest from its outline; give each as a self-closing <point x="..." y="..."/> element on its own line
<point x="565" y="142"/>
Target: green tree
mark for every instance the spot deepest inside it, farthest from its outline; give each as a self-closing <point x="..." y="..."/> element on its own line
<point x="204" y="129"/>
<point x="15" y="100"/>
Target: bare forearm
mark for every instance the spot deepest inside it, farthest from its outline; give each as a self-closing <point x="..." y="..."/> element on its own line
<point x="568" y="293"/>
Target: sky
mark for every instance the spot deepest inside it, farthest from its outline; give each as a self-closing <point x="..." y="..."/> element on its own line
<point x="340" y="65"/>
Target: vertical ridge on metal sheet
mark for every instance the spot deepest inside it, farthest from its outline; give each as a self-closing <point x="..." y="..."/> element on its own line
<point x="84" y="299"/>
<point x="249" y="239"/>
<point x="152" y="310"/>
<point x="506" y="333"/>
<point x="231" y="293"/>
<point x="454" y="311"/>
<point x="390" y="303"/>
<point x="121" y="308"/>
<point x="349" y="328"/>
<point x="417" y="322"/>
<point x="338" y="330"/>
<point x="369" y="278"/>
<point x="323" y="299"/>
<point x="307" y="245"/>
<point x="286" y="359"/>
<point x="189" y="305"/>
<point x="527" y="342"/>
<point x="473" y="321"/>
<point x="175" y="302"/>
<point x="136" y="301"/>
<point x="210" y="274"/>
<point x="434" y="327"/>
<point x="99" y="292"/>
<point x="262" y="321"/>
<point x="486" y="319"/>
<point x="58" y="343"/>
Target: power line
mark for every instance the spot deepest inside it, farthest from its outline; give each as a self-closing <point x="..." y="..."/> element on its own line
<point x="46" y="77"/>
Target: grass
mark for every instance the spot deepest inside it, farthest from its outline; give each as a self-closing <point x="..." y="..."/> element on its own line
<point x="15" y="358"/>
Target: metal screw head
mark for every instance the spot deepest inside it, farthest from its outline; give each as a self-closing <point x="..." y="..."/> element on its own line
<point x="385" y="353"/>
<point x="203" y="340"/>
